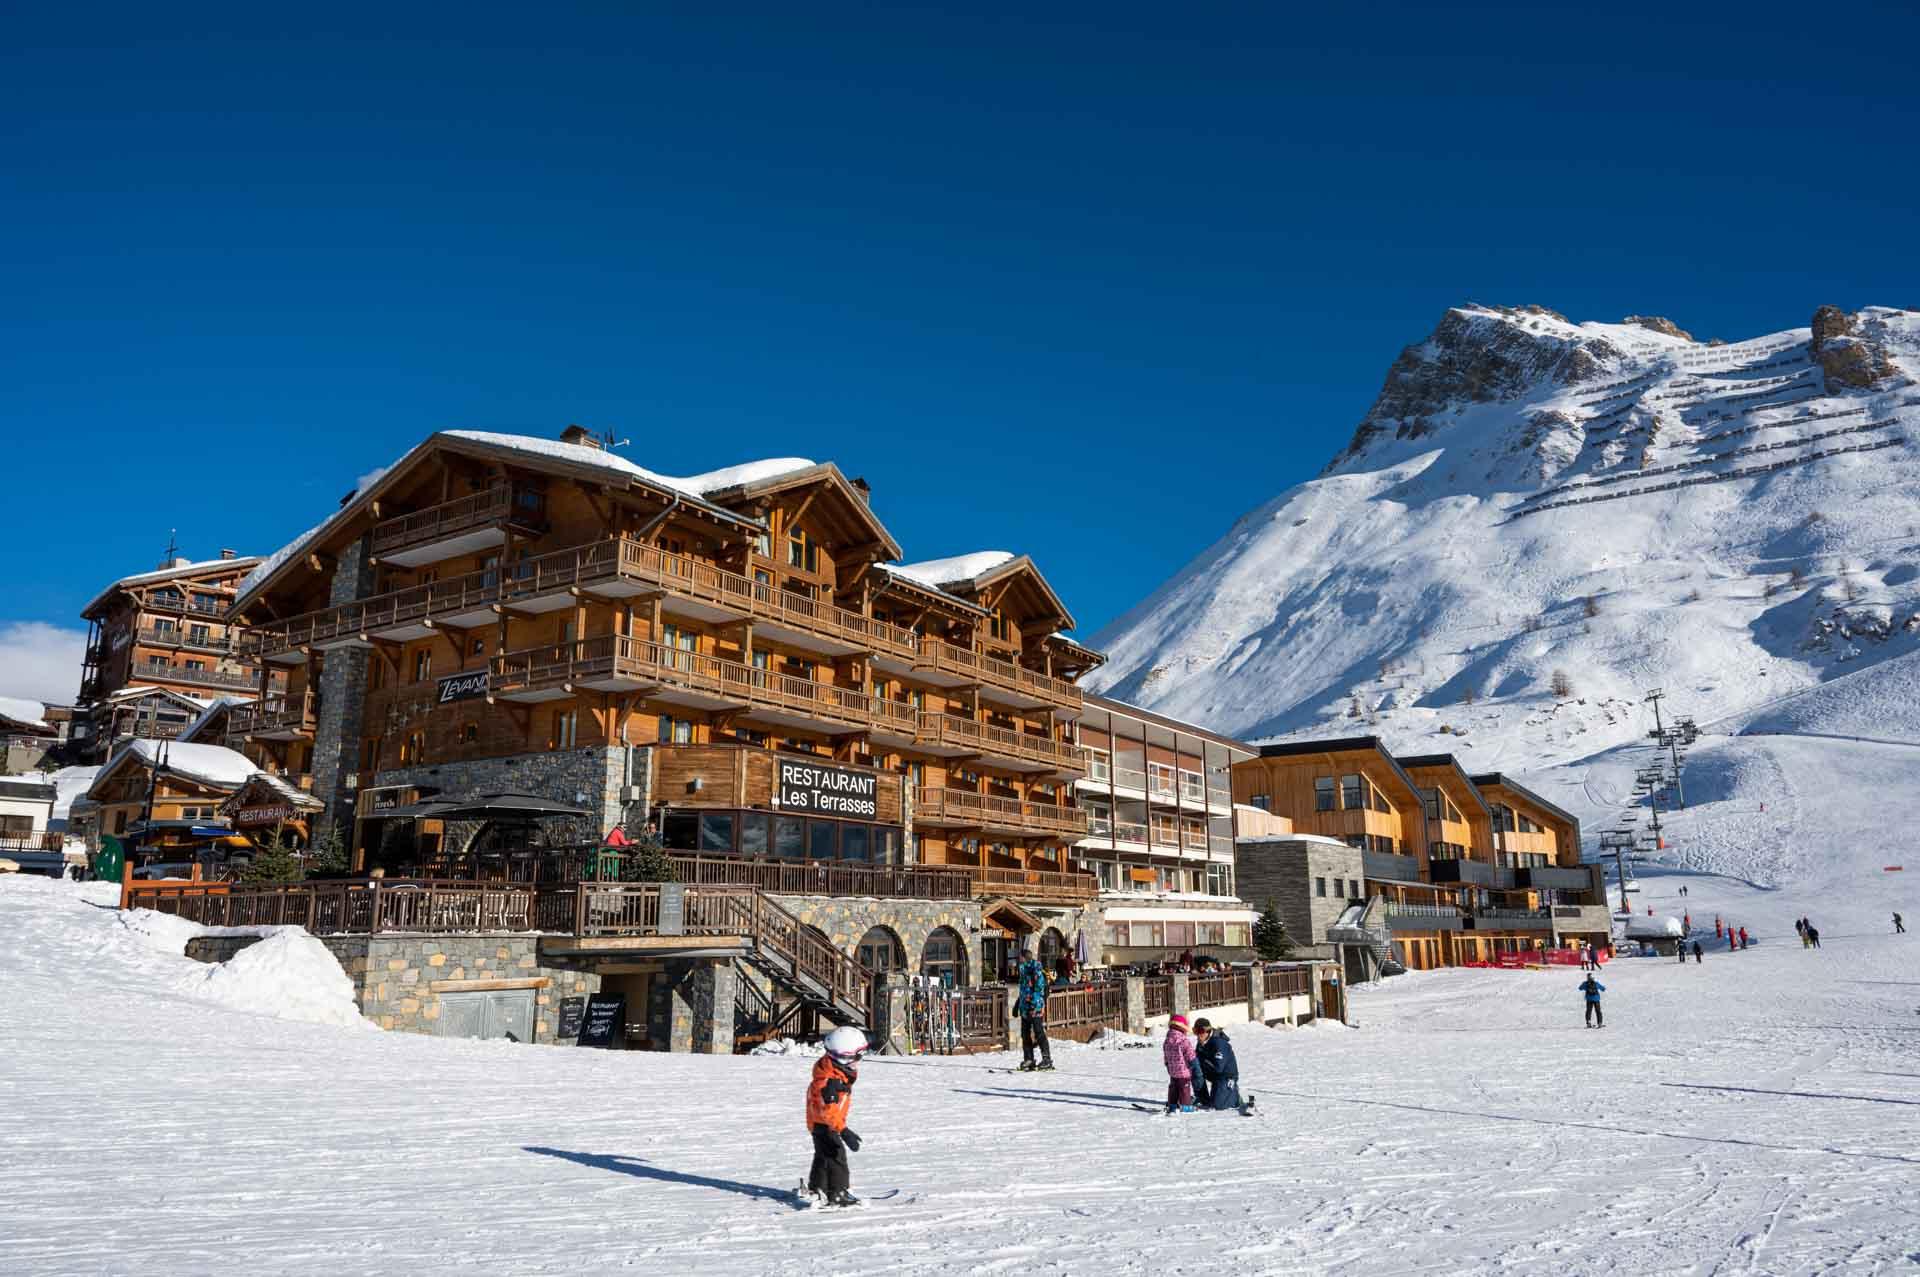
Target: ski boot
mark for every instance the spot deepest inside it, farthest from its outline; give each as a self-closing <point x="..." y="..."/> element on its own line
<point x="842" y="1198"/>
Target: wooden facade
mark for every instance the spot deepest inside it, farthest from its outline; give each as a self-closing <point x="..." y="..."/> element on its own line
<point x="168" y="630"/>
<point x="571" y="599"/>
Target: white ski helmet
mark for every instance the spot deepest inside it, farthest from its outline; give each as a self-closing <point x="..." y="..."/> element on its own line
<point x="846" y="1044"/>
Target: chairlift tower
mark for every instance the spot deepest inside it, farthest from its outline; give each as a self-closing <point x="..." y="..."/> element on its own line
<point x="1670" y="741"/>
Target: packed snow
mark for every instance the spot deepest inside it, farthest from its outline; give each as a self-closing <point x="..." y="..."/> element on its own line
<point x="1747" y="1113"/>
<point x="1414" y="592"/>
<point x="212" y="764"/>
<point x="953" y="569"/>
<point x="24" y="712"/>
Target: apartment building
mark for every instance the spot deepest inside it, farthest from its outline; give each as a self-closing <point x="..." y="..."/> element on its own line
<point x="1158" y="797"/>
<point x="503" y="612"/>
<point x="159" y="651"/>
<point x="1442" y="874"/>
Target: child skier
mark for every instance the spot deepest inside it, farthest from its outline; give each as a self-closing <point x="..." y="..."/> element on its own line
<point x="829" y="1101"/>
<point x="1592" y="988"/>
<point x="1179" y="1055"/>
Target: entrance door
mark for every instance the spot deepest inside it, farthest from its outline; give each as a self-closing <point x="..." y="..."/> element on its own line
<point x="504" y="1013"/>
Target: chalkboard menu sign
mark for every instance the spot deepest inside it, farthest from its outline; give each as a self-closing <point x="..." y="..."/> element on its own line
<point x="826" y="791"/>
<point x="606" y="1016"/>
<point x="573" y="1013"/>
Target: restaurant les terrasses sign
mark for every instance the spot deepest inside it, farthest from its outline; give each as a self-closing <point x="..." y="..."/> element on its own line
<point x="827" y="791"/>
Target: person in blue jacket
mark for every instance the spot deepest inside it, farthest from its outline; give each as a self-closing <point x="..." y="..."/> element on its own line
<point x="1218" y="1085"/>
<point x="1031" y="1007"/>
<point x="1592" y="988"/>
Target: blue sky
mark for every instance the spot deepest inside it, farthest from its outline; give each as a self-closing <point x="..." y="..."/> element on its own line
<point x="1088" y="285"/>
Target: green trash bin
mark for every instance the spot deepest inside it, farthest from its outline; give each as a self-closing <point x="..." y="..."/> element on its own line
<point x="108" y="863"/>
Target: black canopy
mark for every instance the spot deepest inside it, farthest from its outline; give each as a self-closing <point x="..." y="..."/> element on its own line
<point x="490" y="807"/>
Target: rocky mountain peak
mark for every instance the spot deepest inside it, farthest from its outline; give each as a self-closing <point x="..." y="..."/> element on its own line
<point x="1848" y="350"/>
<point x="1658" y="324"/>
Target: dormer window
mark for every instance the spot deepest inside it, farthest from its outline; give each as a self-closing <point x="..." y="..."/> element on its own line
<point x="802" y="551"/>
<point x="997" y="625"/>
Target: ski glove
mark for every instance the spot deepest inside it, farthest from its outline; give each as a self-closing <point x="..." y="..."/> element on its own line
<point x="851" y="1140"/>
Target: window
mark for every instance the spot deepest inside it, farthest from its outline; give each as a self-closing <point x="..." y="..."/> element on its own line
<point x="479" y="647"/>
<point x="1340" y="887"/>
<point x="469" y="733"/>
<point x="1179" y="935"/>
<point x="566" y="727"/>
<point x="997" y="625"/>
<point x="1353" y="889"/>
<point x="1220" y="880"/>
<point x="855" y="842"/>
<point x="196" y="633"/>
<point x="1319" y="886"/>
<point x="753" y="833"/>
<point x="413" y="749"/>
<point x="763" y="546"/>
<point x="422" y="665"/>
<point x="944" y="960"/>
<point x="206" y="602"/>
<point x="789" y="837"/>
<point x="196" y="665"/>
<point x="1431" y="798"/>
<point x="675" y="731"/>
<point x="821" y="839"/>
<point x="716" y="831"/>
<point x="802" y="553"/>
<point x="1353" y="794"/>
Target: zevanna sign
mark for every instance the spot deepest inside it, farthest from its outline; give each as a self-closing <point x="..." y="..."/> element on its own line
<point x="826" y="791"/>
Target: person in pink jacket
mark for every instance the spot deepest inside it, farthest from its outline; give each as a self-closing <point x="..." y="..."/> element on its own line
<point x="1178" y="1052"/>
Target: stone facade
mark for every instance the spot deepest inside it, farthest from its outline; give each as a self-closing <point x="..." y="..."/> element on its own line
<point x="597" y="778"/>
<point x="845" y="921"/>
<point x="690" y="1006"/>
<point x="398" y="979"/>
<point x="1284" y="870"/>
<point x="342" y="697"/>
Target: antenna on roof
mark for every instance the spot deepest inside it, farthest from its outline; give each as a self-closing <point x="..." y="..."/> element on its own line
<point x="608" y="442"/>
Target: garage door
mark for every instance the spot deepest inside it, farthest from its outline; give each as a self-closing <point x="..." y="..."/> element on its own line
<point x="504" y="1013"/>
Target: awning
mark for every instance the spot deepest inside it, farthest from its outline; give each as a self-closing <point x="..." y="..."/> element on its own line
<point x="1008" y="916"/>
<point x="490" y="806"/>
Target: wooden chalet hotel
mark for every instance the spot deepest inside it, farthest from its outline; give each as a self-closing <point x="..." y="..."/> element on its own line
<point x="737" y="659"/>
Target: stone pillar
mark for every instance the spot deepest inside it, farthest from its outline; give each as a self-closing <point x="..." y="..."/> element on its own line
<point x="1182" y="1000"/>
<point x="670" y="1006"/>
<point x="890" y="1031"/>
<point x="342" y="697"/>
<point x="1136" y="1003"/>
<point x="713" y="993"/>
<point x="1256" y="994"/>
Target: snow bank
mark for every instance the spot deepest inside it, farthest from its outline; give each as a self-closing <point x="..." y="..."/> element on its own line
<point x="1119" y="1040"/>
<point x="289" y="975"/>
<point x="787" y="1046"/>
<point x="958" y="567"/>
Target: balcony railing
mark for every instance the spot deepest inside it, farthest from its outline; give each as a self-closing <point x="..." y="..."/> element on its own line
<point x="950" y="729"/>
<point x="31" y="842"/>
<point x="1129" y="831"/>
<point x="992" y="812"/>
<point x="827" y="878"/>
<point x="584" y="567"/>
<point x="1384" y="866"/>
<point x="1475" y="872"/>
<point x="1035" y="884"/>
<point x="161" y="671"/>
<point x="1555" y="877"/>
<point x="514" y="504"/>
<point x="985" y="668"/>
<point x="182" y="603"/>
<point x="1512" y="920"/>
<point x="177" y="637"/>
<point x="613" y="660"/>
<point x="1403" y="917"/>
<point x="276" y="715"/>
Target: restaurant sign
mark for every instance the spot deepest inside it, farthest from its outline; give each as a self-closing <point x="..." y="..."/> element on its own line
<point x="254" y="817"/>
<point x="462" y="687"/>
<point x="827" y="791"/>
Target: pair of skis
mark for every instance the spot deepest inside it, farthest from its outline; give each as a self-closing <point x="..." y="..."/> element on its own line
<point x="1244" y="1110"/>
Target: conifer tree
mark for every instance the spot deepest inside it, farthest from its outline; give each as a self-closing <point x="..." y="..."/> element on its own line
<point x="274" y="862"/>
<point x="1270" y="938"/>
<point x="646" y="861"/>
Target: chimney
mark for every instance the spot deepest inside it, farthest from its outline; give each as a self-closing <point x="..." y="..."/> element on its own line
<point x="228" y="554"/>
<point x="865" y="490"/>
<point x="579" y="435"/>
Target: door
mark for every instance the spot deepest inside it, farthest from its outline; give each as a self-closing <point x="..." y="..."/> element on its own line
<point x="503" y="1013"/>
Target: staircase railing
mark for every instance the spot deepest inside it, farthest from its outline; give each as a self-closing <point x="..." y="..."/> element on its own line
<point x="779" y="932"/>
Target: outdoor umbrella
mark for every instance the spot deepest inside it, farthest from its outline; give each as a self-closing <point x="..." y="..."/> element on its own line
<point x="1081" y="952"/>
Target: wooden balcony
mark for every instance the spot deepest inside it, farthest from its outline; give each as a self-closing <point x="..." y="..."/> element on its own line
<point x="826" y="877"/>
<point x="1000" y="681"/>
<point x="466" y="525"/>
<point x="615" y="663"/>
<point x="1039" y="885"/>
<point x="163" y="602"/>
<point x="154" y="636"/>
<point x="960" y="808"/>
<point x="618" y="568"/>
<point x="952" y="735"/>
<point x="275" y="718"/>
<point x="160" y="672"/>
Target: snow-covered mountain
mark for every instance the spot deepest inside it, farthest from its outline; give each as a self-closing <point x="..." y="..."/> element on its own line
<point x="1539" y="520"/>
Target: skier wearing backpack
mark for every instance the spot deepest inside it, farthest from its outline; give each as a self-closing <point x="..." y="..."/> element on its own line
<point x="1031" y="1007"/>
<point x="1592" y="989"/>
<point x="829" y="1101"/>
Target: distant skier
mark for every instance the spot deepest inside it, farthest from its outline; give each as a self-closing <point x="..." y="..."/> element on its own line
<point x="1686" y="923"/>
<point x="1696" y="951"/>
<point x="829" y="1101"/>
<point x="1592" y="989"/>
<point x="1899" y="927"/>
<point x="1733" y="941"/>
<point x="1813" y="936"/>
<point x="1593" y="959"/>
<point x="1178" y="1053"/>
<point x="1032" y="1010"/>
<point x="1716" y="926"/>
<point x="1744" y="942"/>
<point x="1218" y="1085"/>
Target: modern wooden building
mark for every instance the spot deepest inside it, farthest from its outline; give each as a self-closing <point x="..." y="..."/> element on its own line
<point x="502" y="612"/>
<point x="157" y="642"/>
<point x="1432" y="843"/>
<point x="155" y="793"/>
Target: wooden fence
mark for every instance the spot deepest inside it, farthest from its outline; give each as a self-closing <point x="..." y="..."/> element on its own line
<point x="1159" y="995"/>
<point x="1218" y="990"/>
<point x="1287" y="981"/>
<point x="1077" y="1014"/>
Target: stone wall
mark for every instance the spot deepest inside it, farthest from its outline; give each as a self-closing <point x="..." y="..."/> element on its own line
<point x="398" y="979"/>
<point x="1284" y="869"/>
<point x="342" y="697"/>
<point x="690" y="1006"/>
<point x="846" y="920"/>
<point x="593" y="778"/>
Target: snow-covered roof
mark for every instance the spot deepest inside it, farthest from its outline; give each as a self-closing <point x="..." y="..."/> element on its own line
<point x="212" y="765"/>
<point x="69" y="784"/>
<point x="294" y="795"/>
<point x="24" y="712"/>
<point x="954" y="569"/>
<point x="220" y="703"/>
<point x="180" y="568"/>
<point x="695" y="486"/>
<point x="1641" y="928"/>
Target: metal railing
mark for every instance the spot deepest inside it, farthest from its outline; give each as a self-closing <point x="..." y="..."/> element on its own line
<point x="1129" y="778"/>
